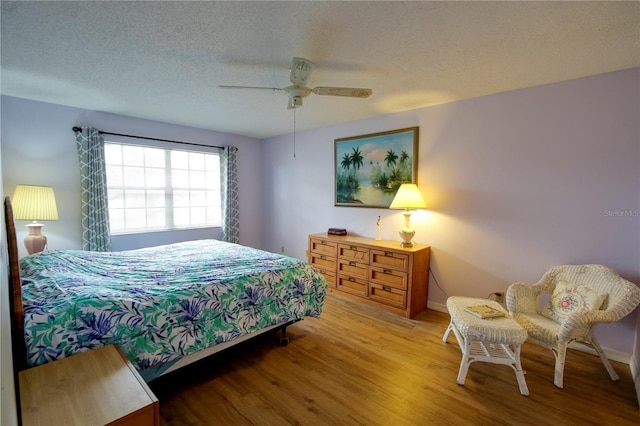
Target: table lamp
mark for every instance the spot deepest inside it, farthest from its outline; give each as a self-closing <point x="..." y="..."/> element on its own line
<point x="408" y="198"/>
<point x="34" y="203"/>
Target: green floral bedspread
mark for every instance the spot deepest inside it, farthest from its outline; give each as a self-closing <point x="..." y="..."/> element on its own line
<point x="160" y="303"/>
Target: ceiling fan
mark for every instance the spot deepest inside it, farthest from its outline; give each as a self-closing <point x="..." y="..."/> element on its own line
<point x="300" y="70"/>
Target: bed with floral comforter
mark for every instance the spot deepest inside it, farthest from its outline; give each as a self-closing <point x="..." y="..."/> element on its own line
<point x="162" y="303"/>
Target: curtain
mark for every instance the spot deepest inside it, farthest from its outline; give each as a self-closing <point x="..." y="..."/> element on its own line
<point x="93" y="188"/>
<point x="229" y="195"/>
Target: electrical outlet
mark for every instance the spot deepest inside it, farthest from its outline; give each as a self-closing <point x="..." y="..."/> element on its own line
<point x="499" y="296"/>
<point x="282" y="249"/>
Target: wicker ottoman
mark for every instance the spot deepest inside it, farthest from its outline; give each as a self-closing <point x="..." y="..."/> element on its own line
<point x="495" y="340"/>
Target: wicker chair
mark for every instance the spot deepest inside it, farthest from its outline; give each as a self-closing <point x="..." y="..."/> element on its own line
<point x="522" y="302"/>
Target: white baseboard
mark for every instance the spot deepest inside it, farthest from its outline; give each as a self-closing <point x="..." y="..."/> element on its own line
<point x="437" y="307"/>
<point x="612" y="354"/>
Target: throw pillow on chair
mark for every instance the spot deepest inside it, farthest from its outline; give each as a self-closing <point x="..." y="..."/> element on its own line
<point x="570" y="298"/>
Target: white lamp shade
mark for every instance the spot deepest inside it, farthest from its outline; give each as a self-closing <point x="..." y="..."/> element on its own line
<point x="408" y="197"/>
<point x="32" y="202"/>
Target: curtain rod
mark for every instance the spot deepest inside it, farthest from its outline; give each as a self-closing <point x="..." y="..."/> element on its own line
<point x="79" y="129"/>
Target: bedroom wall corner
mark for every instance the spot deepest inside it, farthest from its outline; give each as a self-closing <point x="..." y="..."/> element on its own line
<point x="39" y="148"/>
<point x="8" y="409"/>
<point x="515" y="183"/>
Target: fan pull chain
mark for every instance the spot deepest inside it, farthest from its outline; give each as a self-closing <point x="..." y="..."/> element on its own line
<point x="294" y="132"/>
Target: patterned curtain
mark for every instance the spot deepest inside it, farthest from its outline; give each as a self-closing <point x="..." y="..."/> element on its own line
<point x="229" y="195"/>
<point x="93" y="185"/>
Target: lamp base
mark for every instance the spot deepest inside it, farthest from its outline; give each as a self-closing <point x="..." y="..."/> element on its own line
<point x="35" y="242"/>
<point x="407" y="236"/>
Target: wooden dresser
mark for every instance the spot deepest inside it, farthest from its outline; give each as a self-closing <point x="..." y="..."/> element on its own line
<point x="376" y="272"/>
<point x="97" y="387"/>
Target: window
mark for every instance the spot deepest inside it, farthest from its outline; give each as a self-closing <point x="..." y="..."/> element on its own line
<point x="153" y="189"/>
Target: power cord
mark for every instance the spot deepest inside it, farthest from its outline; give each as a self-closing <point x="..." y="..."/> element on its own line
<point x="437" y="284"/>
<point x="499" y="296"/>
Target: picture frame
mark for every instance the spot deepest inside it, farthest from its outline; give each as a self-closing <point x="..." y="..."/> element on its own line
<point x="369" y="169"/>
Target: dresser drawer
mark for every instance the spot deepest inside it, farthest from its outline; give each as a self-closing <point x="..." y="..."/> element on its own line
<point x="323" y="262"/>
<point x="330" y="277"/>
<point x="352" y="285"/>
<point x="327" y="248"/>
<point x="388" y="295"/>
<point x="388" y="277"/>
<point x="353" y="252"/>
<point x="389" y="260"/>
<point x="353" y="269"/>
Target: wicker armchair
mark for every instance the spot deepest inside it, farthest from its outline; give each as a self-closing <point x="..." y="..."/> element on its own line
<point x="522" y="302"/>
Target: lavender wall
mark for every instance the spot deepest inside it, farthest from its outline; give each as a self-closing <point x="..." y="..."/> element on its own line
<point x="8" y="414"/>
<point x="38" y="147"/>
<point x="516" y="183"/>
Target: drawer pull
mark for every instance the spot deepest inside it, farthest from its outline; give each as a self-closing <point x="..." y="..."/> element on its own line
<point x="323" y="257"/>
<point x="388" y="254"/>
<point x="351" y="263"/>
<point x="353" y="248"/>
<point x="324" y="243"/>
<point x="351" y="279"/>
<point x="386" y="288"/>
<point x="387" y="271"/>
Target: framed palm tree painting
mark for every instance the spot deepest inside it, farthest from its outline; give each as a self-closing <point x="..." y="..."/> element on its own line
<point x="369" y="169"/>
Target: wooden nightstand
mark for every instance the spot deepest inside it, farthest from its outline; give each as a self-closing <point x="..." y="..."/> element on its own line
<point x="97" y="387"/>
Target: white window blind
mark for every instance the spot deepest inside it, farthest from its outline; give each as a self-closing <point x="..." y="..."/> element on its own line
<point x="153" y="189"/>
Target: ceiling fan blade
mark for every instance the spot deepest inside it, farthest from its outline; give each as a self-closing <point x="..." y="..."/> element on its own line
<point x="351" y="92"/>
<point x="250" y="87"/>
<point x="300" y="70"/>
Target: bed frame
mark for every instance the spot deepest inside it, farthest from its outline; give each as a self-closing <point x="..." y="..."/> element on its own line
<point x="17" y="312"/>
<point x="15" y="292"/>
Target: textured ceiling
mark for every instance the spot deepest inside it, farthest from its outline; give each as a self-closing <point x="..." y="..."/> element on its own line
<point x="164" y="60"/>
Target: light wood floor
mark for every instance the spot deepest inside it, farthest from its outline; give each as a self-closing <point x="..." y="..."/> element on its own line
<point x="357" y="365"/>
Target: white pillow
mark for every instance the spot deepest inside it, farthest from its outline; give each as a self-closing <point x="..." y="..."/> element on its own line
<point x="570" y="298"/>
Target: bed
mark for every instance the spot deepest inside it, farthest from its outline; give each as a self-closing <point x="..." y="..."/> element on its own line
<point x="164" y="306"/>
